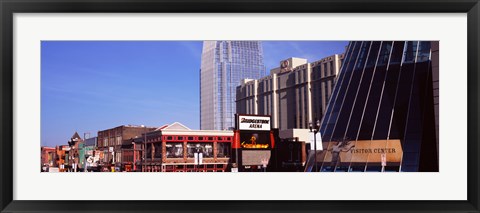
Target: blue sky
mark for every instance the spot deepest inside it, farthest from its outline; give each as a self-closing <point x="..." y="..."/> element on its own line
<point x="87" y="86"/>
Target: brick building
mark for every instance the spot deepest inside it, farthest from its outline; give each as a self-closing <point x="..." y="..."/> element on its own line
<point x="48" y="156"/>
<point x="75" y="154"/>
<point x="172" y="148"/>
<point x="61" y="159"/>
<point x="113" y="143"/>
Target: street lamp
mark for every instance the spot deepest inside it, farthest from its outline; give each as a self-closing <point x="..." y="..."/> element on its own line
<point x="134" y="167"/>
<point x="85" y="151"/>
<point x="315" y="128"/>
<point x="71" y="143"/>
<point x="144" y="153"/>
<point x="198" y="152"/>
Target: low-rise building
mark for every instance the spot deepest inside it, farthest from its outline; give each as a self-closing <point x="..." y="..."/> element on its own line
<point x="91" y="157"/>
<point x="61" y="159"/>
<point x="75" y="153"/>
<point x="175" y="148"/>
<point x="48" y="156"/>
<point x="112" y="143"/>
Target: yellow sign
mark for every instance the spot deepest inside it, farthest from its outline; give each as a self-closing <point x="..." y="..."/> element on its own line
<point x="364" y="151"/>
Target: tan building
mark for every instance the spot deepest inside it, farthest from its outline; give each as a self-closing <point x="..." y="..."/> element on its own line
<point x="293" y="94"/>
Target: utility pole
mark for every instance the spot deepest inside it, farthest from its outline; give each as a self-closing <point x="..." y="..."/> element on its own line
<point x="315" y="127"/>
<point x="144" y="152"/>
<point x="85" y="150"/>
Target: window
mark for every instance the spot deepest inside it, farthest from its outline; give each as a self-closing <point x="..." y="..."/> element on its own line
<point x="149" y="151"/>
<point x="223" y="150"/>
<point x="362" y="56"/>
<point x="410" y="52"/>
<point x="158" y="150"/>
<point x="386" y="103"/>
<point x="384" y="53"/>
<point x="351" y="92"/>
<point x="119" y="140"/>
<point x="174" y="150"/>
<point x="361" y="98"/>
<point x="205" y="148"/>
<point x="397" y="52"/>
<point x="118" y="157"/>
<point x="402" y="101"/>
<point x="342" y="87"/>
<point x="368" y="122"/>
<point x="190" y="138"/>
<point x="423" y="51"/>
<point x="324" y="69"/>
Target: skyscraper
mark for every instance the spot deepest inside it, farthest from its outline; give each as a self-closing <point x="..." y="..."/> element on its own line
<point x="224" y="65"/>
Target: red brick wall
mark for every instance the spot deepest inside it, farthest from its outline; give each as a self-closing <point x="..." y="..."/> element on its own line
<point x="46" y="153"/>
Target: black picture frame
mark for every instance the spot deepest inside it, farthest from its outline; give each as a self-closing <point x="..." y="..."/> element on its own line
<point x="9" y="7"/>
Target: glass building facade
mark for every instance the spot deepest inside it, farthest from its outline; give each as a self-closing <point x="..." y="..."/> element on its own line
<point x="224" y="64"/>
<point x="386" y="91"/>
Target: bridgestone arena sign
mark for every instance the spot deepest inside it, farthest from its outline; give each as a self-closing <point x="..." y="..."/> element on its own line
<point x="254" y="123"/>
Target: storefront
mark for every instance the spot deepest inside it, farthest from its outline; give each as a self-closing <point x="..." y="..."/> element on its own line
<point x="253" y="143"/>
<point x="106" y="159"/>
<point x="176" y="148"/>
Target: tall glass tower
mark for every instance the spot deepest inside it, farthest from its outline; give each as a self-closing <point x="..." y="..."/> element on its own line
<point x="224" y="65"/>
<point x="386" y="93"/>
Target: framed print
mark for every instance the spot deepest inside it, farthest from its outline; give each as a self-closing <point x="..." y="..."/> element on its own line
<point x="162" y="106"/>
